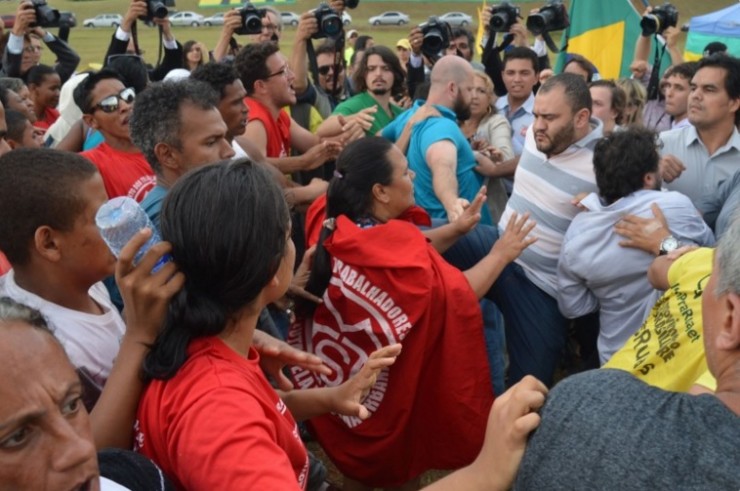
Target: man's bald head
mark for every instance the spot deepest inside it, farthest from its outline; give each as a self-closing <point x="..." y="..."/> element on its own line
<point x="451" y="68"/>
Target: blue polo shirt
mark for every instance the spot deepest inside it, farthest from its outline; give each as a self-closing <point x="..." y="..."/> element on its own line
<point x="424" y="134"/>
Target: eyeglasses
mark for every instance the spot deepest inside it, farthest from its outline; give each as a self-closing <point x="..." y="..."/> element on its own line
<point x="282" y="72"/>
<point x="33" y="49"/>
<point x="110" y="103"/>
<point x="270" y="27"/>
<point x="325" y="69"/>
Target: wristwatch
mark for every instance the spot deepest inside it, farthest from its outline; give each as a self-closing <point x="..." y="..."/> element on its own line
<point x="669" y="244"/>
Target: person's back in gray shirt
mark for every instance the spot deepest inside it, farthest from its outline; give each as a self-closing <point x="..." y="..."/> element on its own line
<point x="605" y="429"/>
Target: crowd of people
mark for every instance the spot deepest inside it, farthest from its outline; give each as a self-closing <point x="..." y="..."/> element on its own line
<point x="528" y="278"/>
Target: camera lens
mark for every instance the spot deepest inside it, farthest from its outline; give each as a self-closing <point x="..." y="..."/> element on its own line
<point x="499" y="21"/>
<point x="159" y="10"/>
<point x="650" y="24"/>
<point x="331" y="25"/>
<point x="433" y="41"/>
<point x="253" y="23"/>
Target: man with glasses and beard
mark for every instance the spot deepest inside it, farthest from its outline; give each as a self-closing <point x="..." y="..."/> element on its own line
<point x="106" y="106"/>
<point x="439" y="154"/>
<point x="378" y="79"/>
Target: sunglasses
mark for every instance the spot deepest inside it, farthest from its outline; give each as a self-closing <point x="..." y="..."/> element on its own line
<point x="110" y="103"/>
<point x="324" y="70"/>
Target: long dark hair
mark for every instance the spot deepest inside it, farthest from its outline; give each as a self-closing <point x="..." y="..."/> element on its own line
<point x="361" y="165"/>
<point x="228" y="225"/>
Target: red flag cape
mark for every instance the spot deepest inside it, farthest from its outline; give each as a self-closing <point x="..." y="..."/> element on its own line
<point x="316" y="214"/>
<point x="429" y="410"/>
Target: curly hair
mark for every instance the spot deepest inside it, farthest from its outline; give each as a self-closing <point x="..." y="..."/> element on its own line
<point x="251" y="63"/>
<point x="390" y="59"/>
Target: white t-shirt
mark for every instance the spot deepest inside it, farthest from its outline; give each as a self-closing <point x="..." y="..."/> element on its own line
<point x="91" y="341"/>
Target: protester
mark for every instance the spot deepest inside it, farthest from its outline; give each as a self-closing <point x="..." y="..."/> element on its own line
<point x="44" y="85"/>
<point x="608" y="104"/>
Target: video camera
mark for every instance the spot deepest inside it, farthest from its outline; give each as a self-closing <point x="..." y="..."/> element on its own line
<point x="330" y="23"/>
<point x="251" y="20"/>
<point x="659" y="19"/>
<point x="437" y="35"/>
<point x="551" y="17"/>
<point x="157" y="9"/>
<point x="503" y="17"/>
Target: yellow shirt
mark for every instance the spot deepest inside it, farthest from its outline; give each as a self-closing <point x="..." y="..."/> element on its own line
<point x="668" y="350"/>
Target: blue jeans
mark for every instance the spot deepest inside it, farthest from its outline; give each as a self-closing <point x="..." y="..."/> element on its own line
<point x="536" y="331"/>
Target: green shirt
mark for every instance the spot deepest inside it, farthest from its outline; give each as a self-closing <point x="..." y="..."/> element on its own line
<point x="361" y="101"/>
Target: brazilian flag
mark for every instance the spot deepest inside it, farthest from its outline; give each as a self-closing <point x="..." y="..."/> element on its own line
<point x="604" y="31"/>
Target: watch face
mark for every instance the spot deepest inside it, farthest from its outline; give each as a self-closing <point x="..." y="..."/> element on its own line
<point x="669" y="244"/>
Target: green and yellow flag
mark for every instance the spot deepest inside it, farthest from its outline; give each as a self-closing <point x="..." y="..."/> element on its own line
<point x="604" y="31"/>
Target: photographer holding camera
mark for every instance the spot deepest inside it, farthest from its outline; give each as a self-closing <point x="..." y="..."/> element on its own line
<point x="123" y="40"/>
<point x="24" y="48"/>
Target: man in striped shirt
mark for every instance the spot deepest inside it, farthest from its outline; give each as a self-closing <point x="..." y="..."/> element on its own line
<point x="556" y="164"/>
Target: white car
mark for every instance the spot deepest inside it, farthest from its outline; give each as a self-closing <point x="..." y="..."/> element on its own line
<point x="187" y="19"/>
<point x="392" y="18"/>
<point x="214" y="20"/>
<point x="104" y="20"/>
<point x="457" y="19"/>
<point x="290" y="18"/>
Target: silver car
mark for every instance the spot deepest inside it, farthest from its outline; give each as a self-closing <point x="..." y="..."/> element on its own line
<point x="104" y="20"/>
<point x="187" y="19"/>
<point x="214" y="20"/>
<point x="392" y="18"/>
<point x="457" y="19"/>
<point x="290" y="18"/>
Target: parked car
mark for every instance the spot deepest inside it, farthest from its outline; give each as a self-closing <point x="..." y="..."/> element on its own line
<point x="214" y="20"/>
<point x="290" y="18"/>
<point x="187" y="19"/>
<point x="346" y="19"/>
<point x="457" y="19"/>
<point x="104" y="20"/>
<point x="389" y="18"/>
<point x="8" y="21"/>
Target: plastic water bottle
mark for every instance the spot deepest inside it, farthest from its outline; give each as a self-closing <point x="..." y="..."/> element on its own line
<point x="119" y="220"/>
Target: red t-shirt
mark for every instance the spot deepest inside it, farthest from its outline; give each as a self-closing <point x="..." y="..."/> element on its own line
<point x="429" y="410"/>
<point x="278" y="131"/>
<point x="124" y="173"/>
<point x="218" y="424"/>
<point x="4" y="264"/>
<point x="50" y="117"/>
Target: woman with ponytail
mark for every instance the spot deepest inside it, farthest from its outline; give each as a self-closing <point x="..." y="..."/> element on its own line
<point x="208" y="415"/>
<point x="383" y="281"/>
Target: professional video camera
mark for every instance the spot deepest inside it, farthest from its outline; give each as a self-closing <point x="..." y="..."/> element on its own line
<point x="551" y="17"/>
<point x="503" y="17"/>
<point x="251" y="20"/>
<point x="437" y="35"/>
<point x="157" y="9"/>
<point x="45" y="15"/>
<point x="330" y="24"/>
<point x="659" y="19"/>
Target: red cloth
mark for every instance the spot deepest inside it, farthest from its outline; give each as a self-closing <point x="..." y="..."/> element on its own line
<point x="429" y="410"/>
<point x="316" y="214"/>
<point x="124" y="173"/>
<point x="4" y="264"/>
<point x="278" y="131"/>
<point x="218" y="424"/>
<point x="50" y="117"/>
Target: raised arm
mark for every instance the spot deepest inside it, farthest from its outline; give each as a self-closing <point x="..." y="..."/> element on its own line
<point x="441" y="158"/>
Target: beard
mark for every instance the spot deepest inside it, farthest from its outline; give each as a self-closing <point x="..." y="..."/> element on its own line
<point x="461" y="108"/>
<point x="380" y="91"/>
<point x="558" y="142"/>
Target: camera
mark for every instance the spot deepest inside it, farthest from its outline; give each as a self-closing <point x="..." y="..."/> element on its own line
<point x="45" y="15"/>
<point x="551" y="17"/>
<point x="330" y="24"/>
<point x="67" y="19"/>
<point x="503" y="17"/>
<point x="251" y="20"/>
<point x="157" y="9"/>
<point x="659" y="19"/>
<point x="436" y="37"/>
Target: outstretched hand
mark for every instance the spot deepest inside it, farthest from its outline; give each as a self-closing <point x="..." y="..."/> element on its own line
<point x="471" y="215"/>
<point x="349" y="396"/>
<point x="643" y="233"/>
<point x="515" y="238"/>
<point x="276" y="354"/>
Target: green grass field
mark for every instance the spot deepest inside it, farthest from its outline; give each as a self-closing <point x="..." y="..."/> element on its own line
<point x="91" y="44"/>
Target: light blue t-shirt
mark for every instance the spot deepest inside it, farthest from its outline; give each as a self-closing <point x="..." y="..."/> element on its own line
<point x="424" y="134"/>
